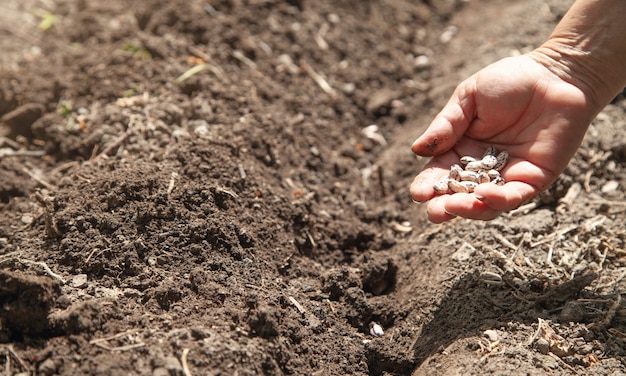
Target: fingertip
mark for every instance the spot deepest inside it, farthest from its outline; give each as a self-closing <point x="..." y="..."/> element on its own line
<point x="436" y="210"/>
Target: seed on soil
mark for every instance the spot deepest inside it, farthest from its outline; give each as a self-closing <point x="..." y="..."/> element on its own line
<point x="474" y="172"/>
<point x="376" y="330"/>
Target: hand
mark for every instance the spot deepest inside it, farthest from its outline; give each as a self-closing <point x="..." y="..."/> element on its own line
<point x="517" y="105"/>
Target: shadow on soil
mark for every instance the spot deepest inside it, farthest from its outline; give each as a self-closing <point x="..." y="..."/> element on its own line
<point x="471" y="307"/>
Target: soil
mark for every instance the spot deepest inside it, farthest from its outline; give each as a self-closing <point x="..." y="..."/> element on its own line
<point x="191" y="188"/>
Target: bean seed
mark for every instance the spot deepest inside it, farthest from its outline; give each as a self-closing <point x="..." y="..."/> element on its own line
<point x="488" y="162"/>
<point x="441" y="187"/>
<point x="499" y="180"/>
<point x="493" y="174"/>
<point x="474" y="166"/>
<point x="455" y="171"/>
<point x="483" y="177"/>
<point x="467" y="159"/>
<point x="457" y="186"/>
<point x="501" y="158"/>
<point x="470" y="185"/>
<point x="468" y="176"/>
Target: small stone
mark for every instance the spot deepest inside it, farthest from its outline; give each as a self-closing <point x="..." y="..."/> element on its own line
<point x="79" y="281"/>
<point x="47" y="367"/>
<point x="542" y="345"/>
<point x="609" y="186"/>
<point x="160" y="371"/>
<point x="572" y="312"/>
<point x="492" y="335"/>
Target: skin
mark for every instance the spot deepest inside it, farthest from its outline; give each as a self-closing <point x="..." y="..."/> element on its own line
<point x="537" y="107"/>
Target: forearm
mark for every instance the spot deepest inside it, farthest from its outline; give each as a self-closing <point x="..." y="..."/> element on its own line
<point x="588" y="49"/>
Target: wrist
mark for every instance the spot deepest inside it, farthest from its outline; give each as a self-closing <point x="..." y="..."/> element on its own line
<point x="597" y="78"/>
<point x="588" y="49"/>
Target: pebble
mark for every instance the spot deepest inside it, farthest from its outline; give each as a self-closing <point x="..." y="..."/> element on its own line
<point x="542" y="345"/>
<point x="492" y="335"/>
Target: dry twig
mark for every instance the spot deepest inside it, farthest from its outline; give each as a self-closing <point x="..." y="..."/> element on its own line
<point x="118" y="141"/>
<point x="101" y="342"/>
<point x="183" y="360"/>
<point x="45" y="267"/>
<point x="319" y="80"/>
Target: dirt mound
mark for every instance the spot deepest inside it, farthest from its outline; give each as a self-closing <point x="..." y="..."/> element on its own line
<point x="194" y="188"/>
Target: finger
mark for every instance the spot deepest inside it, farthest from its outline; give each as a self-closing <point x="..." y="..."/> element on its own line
<point x="450" y="124"/>
<point x="466" y="205"/>
<point x="436" y="210"/>
<point x="506" y="197"/>
<point x="421" y="188"/>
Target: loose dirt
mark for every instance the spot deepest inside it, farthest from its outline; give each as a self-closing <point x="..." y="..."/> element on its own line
<point x="195" y="188"/>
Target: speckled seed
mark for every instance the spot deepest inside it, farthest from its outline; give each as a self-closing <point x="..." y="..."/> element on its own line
<point x="483" y="177"/>
<point x="488" y="162"/>
<point x="468" y="176"/>
<point x="455" y="170"/>
<point x="470" y="185"/>
<point x="474" y="166"/>
<point x="493" y="174"/>
<point x="376" y="330"/>
<point x="467" y="159"/>
<point x="441" y="187"/>
<point x="501" y="158"/>
<point x="499" y="180"/>
<point x="457" y="186"/>
<point x="490" y="151"/>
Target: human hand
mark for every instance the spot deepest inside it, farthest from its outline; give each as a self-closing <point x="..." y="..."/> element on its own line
<point x="517" y="105"/>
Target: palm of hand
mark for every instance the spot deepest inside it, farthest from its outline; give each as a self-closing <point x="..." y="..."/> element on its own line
<point x="516" y="105"/>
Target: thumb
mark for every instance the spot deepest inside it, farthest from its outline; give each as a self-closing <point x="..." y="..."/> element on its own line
<point x="450" y="124"/>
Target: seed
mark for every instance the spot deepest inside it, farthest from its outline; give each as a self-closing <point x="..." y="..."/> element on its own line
<point x="483" y="177"/>
<point x="474" y="166"/>
<point x="488" y="162"/>
<point x="457" y="187"/>
<point x="501" y="158"/>
<point x="468" y="176"/>
<point x="467" y="159"/>
<point x="455" y="171"/>
<point x="499" y="180"/>
<point x="470" y="185"/>
<point x="493" y="174"/>
<point x="441" y="187"/>
<point x="376" y="330"/>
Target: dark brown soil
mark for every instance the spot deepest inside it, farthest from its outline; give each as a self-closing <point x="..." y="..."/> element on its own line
<point x="191" y="189"/>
